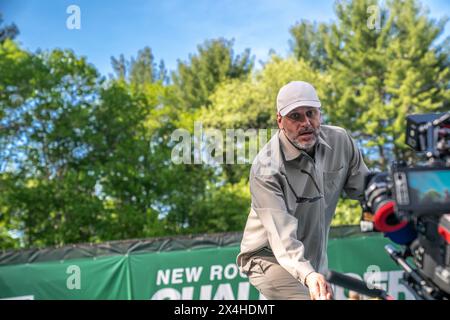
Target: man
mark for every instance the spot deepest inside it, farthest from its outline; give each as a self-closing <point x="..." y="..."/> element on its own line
<point x="295" y="183"/>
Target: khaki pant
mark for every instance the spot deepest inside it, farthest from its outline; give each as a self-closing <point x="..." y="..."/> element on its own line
<point x="274" y="282"/>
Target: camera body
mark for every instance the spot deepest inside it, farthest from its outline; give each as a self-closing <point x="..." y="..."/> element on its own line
<point x="411" y="205"/>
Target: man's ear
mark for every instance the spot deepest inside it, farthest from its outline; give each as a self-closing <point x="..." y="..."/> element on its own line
<point x="279" y="118"/>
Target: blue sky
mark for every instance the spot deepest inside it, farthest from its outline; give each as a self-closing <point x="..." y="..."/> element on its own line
<point x="172" y="28"/>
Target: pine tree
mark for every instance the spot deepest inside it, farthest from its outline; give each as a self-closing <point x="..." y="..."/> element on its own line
<point x="143" y="68"/>
<point x="7" y="32"/>
<point x="214" y="63"/>
<point x="385" y="63"/>
<point x="120" y="67"/>
<point x="308" y="43"/>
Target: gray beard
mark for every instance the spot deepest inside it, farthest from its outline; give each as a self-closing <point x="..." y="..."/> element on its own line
<point x="309" y="147"/>
<point x="304" y="147"/>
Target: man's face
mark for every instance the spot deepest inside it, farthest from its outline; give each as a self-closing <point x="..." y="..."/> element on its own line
<point x="302" y="126"/>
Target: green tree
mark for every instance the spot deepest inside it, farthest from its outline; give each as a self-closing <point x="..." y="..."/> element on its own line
<point x="380" y="75"/>
<point x="214" y="63"/>
<point x="308" y="43"/>
<point x="78" y="164"/>
<point x="194" y="188"/>
<point x="143" y="67"/>
<point x="84" y="159"/>
<point x="120" y="67"/>
<point x="7" y="32"/>
<point x="250" y="103"/>
<point x="140" y="70"/>
<point x="432" y="196"/>
<point x="224" y="208"/>
<point x="44" y="111"/>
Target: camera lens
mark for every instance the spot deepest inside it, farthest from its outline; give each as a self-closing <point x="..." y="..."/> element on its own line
<point x="380" y="202"/>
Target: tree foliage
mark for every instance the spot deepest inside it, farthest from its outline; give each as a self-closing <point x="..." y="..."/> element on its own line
<point x="85" y="159"/>
<point x="196" y="79"/>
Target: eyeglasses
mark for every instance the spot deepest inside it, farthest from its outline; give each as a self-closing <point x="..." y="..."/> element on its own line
<point x="297" y="116"/>
<point x="305" y="199"/>
<point x="302" y="199"/>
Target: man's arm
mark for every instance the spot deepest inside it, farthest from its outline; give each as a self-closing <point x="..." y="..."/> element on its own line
<point x="354" y="185"/>
<point x="269" y="204"/>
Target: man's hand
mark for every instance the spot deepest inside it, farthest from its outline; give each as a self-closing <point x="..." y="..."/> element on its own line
<point x="319" y="288"/>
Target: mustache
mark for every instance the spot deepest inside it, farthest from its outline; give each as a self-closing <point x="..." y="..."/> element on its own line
<point x="307" y="130"/>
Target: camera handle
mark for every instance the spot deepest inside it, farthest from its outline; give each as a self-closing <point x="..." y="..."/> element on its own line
<point x="412" y="280"/>
<point x="430" y="132"/>
<point x="359" y="286"/>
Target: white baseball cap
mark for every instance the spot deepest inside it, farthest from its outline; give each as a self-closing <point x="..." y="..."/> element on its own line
<point x="296" y="94"/>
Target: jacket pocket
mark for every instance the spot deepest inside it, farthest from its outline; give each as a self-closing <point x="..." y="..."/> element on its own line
<point x="332" y="181"/>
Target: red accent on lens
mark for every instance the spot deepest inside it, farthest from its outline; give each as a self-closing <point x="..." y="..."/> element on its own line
<point x="444" y="234"/>
<point x="381" y="216"/>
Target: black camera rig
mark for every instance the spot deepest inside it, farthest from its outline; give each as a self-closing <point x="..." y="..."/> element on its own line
<point x="411" y="206"/>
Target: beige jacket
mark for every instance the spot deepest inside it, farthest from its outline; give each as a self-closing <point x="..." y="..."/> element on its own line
<point x="297" y="233"/>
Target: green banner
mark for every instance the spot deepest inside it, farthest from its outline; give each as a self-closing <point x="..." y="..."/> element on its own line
<point x="192" y="274"/>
